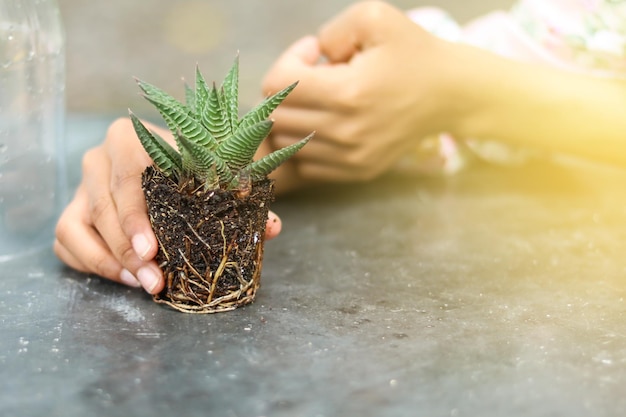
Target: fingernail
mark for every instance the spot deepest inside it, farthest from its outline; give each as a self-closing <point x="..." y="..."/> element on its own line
<point x="129" y="279"/>
<point x="148" y="278"/>
<point x="141" y="245"/>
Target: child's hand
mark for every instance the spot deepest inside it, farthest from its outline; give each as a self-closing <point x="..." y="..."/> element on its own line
<point x="370" y="86"/>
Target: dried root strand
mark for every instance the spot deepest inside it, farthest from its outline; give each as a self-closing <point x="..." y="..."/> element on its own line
<point x="195" y="293"/>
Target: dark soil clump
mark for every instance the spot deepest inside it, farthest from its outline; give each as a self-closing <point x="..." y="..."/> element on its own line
<point x="210" y="243"/>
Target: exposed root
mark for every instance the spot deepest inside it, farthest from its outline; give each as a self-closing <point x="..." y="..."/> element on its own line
<point x="210" y="244"/>
<point x="190" y="291"/>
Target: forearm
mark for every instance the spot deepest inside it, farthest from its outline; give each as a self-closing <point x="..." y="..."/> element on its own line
<point x="545" y="108"/>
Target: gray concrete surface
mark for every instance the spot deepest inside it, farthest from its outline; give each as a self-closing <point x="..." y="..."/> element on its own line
<point x="499" y="292"/>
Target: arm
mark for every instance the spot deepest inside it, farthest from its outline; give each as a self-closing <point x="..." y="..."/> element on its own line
<point x="542" y="107"/>
<point x="373" y="83"/>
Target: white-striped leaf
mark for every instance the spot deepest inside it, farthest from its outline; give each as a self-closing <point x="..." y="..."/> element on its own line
<point x="265" y="108"/>
<point x="166" y="159"/>
<point x="239" y="149"/>
<point x="261" y="168"/>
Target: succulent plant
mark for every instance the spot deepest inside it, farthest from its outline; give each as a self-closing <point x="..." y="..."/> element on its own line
<point x="215" y="146"/>
<point x="208" y="200"/>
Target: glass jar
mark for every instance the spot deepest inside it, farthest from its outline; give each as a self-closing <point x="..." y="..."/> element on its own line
<point x="32" y="117"/>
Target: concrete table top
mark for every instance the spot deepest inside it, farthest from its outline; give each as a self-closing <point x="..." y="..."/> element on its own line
<point x="497" y="292"/>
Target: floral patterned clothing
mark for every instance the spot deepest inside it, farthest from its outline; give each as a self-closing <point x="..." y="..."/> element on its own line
<point x="587" y="36"/>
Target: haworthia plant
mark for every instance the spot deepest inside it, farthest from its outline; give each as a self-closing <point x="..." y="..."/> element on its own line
<point x="214" y="146"/>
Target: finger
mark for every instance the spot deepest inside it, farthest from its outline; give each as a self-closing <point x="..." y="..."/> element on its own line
<point x="115" y="247"/>
<point x="299" y="63"/>
<point x="354" y="165"/>
<point x="128" y="161"/>
<point x="102" y="209"/>
<point x="324" y="161"/>
<point x="80" y="245"/>
<point x="319" y="172"/>
<point x="321" y="159"/>
<point x="328" y="152"/>
<point x="360" y="26"/>
<point x="125" y="277"/>
<point x="273" y="227"/>
<point x="66" y="256"/>
<point x="305" y="51"/>
<point x="298" y="59"/>
<point x="97" y="240"/>
<point x="300" y="121"/>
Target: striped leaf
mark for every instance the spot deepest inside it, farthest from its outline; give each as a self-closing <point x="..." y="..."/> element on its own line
<point x="157" y="94"/>
<point x="261" y="168"/>
<point x="203" y="163"/>
<point x="166" y="159"/>
<point x="202" y="91"/>
<point x="190" y="98"/>
<point x="215" y="146"/>
<point x="240" y="148"/>
<point x="229" y="95"/>
<point x="265" y="108"/>
<point x="214" y="116"/>
<point x="178" y="116"/>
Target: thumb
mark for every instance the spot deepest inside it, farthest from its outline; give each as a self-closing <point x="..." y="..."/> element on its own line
<point x="304" y="51"/>
<point x="292" y="64"/>
<point x="360" y="26"/>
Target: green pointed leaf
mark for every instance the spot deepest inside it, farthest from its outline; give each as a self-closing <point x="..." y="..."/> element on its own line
<point x="215" y="117"/>
<point x="190" y="98"/>
<point x="164" y="156"/>
<point x="203" y="163"/>
<point x="191" y="168"/>
<point x="177" y="116"/>
<point x="215" y="146"/>
<point x="172" y="153"/>
<point x="266" y="107"/>
<point x="161" y="96"/>
<point x="229" y="95"/>
<point x="261" y="168"/>
<point x="202" y="91"/>
<point x="239" y="149"/>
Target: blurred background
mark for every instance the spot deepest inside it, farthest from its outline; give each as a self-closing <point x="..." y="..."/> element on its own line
<point x="160" y="41"/>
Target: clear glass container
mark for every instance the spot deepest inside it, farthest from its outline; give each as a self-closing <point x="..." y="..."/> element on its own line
<point x="32" y="118"/>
